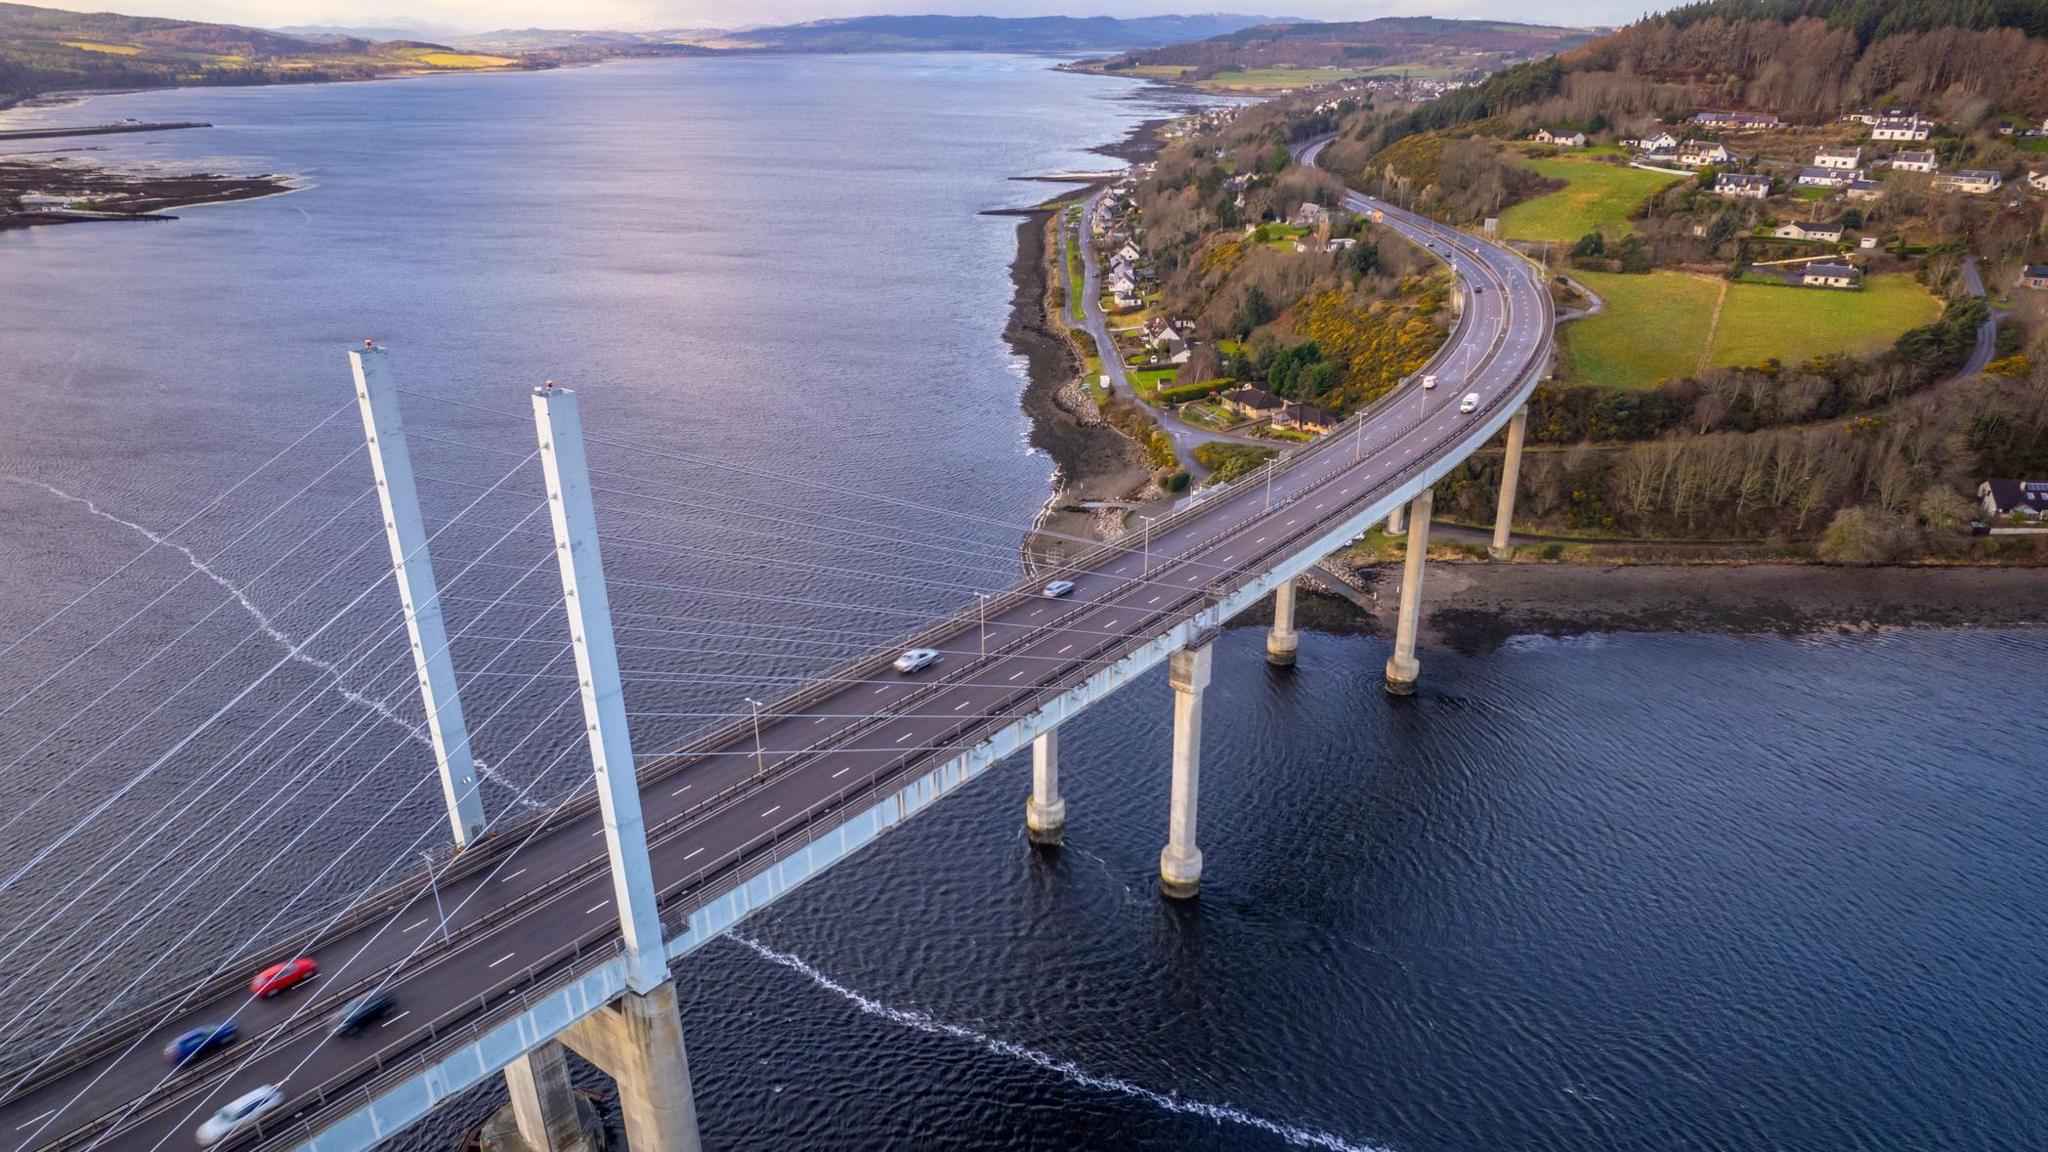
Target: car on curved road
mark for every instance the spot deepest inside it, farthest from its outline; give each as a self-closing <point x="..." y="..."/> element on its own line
<point x="279" y="977"/>
<point x="1470" y="403"/>
<point x="240" y="1113"/>
<point x="1429" y="381"/>
<point x="200" y="1041"/>
<point x="916" y="658"/>
<point x="1059" y="588"/>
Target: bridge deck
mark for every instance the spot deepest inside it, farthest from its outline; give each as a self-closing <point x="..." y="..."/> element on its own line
<point x="518" y="923"/>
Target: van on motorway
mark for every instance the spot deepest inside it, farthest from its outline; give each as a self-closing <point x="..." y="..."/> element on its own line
<point x="1470" y="403"/>
<point x="1429" y="381"/>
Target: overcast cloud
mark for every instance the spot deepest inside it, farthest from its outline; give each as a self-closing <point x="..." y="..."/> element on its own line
<point x="642" y="15"/>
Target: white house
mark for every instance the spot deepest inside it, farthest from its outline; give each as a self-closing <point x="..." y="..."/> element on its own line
<point x="1742" y="185"/>
<point x="1736" y="121"/>
<point x="1865" y="190"/>
<point x="2025" y="498"/>
<point x="1129" y="252"/>
<point x="1827" y="177"/>
<point x="2038" y="180"/>
<point x="1701" y="153"/>
<point x="1661" y="142"/>
<point x="1907" y="127"/>
<point x="1915" y="162"/>
<point x="1840" y="159"/>
<point x="1830" y="276"/>
<point x="1561" y="139"/>
<point x="1976" y="182"/>
<point x="1809" y="230"/>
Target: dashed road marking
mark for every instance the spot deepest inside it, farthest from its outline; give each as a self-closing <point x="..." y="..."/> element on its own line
<point x="902" y="738"/>
<point x="771" y="812"/>
<point x="395" y="1019"/>
<point x="501" y="959"/>
<point x="1014" y="675"/>
<point x="962" y="704"/>
<point x="44" y="1116"/>
<point x="415" y="924"/>
<point x="680" y="791"/>
<point x="841" y="772"/>
<point x="693" y="852"/>
<point x="594" y="908"/>
<point x="514" y="876"/>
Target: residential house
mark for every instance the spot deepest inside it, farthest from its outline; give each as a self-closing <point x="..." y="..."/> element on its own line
<point x="1736" y="121"/>
<point x="1561" y="139"/>
<point x="1809" y="230"/>
<point x="1251" y="402"/>
<point x="1828" y="275"/>
<point x="1866" y="243"/>
<point x="1304" y="418"/>
<point x="2038" y="180"/>
<point x="1340" y="244"/>
<point x="1129" y="252"/>
<point x="1904" y="126"/>
<point x="1702" y="153"/>
<point x="1742" y="185"/>
<point x="1308" y="215"/>
<point x="2027" y="499"/>
<point x="1915" y="162"/>
<point x="2034" y="276"/>
<point x="1974" y="181"/>
<point x="1827" y="178"/>
<point x="1661" y="142"/>
<point x="1865" y="190"/>
<point x="1839" y="159"/>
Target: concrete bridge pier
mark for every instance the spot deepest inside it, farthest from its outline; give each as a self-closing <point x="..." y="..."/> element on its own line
<point x="1397" y="521"/>
<point x="1510" y="475"/>
<point x="638" y="1042"/>
<point x="1402" y="669"/>
<point x="1045" y="814"/>
<point x="1180" y="862"/>
<point x="1282" y="641"/>
<point x="543" y="1103"/>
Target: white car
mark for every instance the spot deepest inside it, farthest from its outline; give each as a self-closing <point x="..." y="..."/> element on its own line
<point x="1429" y="381"/>
<point x="1059" y="588"/>
<point x="240" y="1113"/>
<point x="1470" y="403"/>
<point x="916" y="658"/>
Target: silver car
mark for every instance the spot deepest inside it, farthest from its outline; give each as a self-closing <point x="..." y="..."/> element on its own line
<point x="240" y="1113"/>
<point x="1470" y="403"/>
<point x="1059" y="588"/>
<point x="916" y="658"/>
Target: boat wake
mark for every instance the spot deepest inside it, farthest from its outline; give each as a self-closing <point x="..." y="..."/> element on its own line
<point x="1293" y="1134"/>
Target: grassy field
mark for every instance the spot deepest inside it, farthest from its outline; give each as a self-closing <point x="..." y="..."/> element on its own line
<point x="1272" y="79"/>
<point x="1656" y="327"/>
<point x="1598" y="198"/>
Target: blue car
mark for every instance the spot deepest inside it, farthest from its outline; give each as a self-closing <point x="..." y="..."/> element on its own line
<point x="200" y="1041"/>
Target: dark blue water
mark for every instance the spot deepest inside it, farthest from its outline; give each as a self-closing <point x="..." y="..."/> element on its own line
<point x="1637" y="892"/>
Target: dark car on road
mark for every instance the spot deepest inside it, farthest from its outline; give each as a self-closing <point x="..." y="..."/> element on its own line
<point x="200" y="1041"/>
<point x="359" y="1012"/>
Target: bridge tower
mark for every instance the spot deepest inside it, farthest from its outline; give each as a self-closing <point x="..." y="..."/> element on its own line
<point x="1402" y="669"/>
<point x="1180" y="862"/>
<point x="639" y="1040"/>
<point x="543" y="1103"/>
<point x="1045" y="814"/>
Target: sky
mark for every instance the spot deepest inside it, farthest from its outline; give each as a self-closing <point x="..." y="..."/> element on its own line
<point x="645" y="15"/>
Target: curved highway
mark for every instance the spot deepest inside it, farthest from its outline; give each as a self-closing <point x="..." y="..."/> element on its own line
<point x="534" y="903"/>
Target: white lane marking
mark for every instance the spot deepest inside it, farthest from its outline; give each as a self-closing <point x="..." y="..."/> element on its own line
<point x="771" y="812"/>
<point x="514" y="876"/>
<point x="693" y="852"/>
<point x="599" y="832"/>
<point x="1036" y="611"/>
<point x="595" y="907"/>
<point x="680" y="791"/>
<point x="1014" y="675"/>
<point x="1153" y="600"/>
<point x="1063" y="650"/>
<point x="37" y="1119"/>
<point x="902" y="738"/>
<point x="882" y="689"/>
<point x="962" y="704"/>
<point x="395" y="1019"/>
<point x="414" y="924"/>
<point x="501" y="959"/>
<point x="820" y="720"/>
<point x="1228" y="559"/>
<point x="841" y="772"/>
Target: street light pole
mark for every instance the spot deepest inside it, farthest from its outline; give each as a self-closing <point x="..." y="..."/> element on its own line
<point x="981" y="606"/>
<point x="434" y="883"/>
<point x="1271" y="466"/>
<point x="760" y="762"/>
<point x="1147" y="569"/>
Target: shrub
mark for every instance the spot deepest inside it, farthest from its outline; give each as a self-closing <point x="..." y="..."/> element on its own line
<point x="1226" y="462"/>
<point x="1552" y="551"/>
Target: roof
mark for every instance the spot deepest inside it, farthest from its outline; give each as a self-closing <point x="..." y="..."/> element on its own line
<point x="1830" y="270"/>
<point x="1847" y="153"/>
<point x="1820" y="173"/>
<point x="1914" y="157"/>
<point x="1307" y="414"/>
<point x="2035" y="271"/>
<point x="1741" y="179"/>
<point x="1250" y="397"/>
<point x="1975" y="174"/>
<point x="2008" y="495"/>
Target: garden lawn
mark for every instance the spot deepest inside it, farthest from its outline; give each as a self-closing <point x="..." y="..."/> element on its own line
<point x="1653" y="328"/>
<point x="1598" y="198"/>
<point x="1761" y="321"/>
<point x="1656" y="327"/>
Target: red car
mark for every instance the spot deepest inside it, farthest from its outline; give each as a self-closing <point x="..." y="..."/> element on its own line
<point x="279" y="977"/>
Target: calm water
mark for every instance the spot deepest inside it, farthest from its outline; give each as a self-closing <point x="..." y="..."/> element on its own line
<point x="1643" y="892"/>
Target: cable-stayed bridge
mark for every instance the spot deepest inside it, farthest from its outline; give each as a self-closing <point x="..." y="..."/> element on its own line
<point x="564" y="910"/>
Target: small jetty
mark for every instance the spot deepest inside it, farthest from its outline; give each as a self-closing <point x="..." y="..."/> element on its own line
<point x="99" y="129"/>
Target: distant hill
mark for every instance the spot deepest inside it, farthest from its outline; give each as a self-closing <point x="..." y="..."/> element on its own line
<point x="980" y="33"/>
<point x="1285" y="56"/>
<point x="46" y="49"/>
